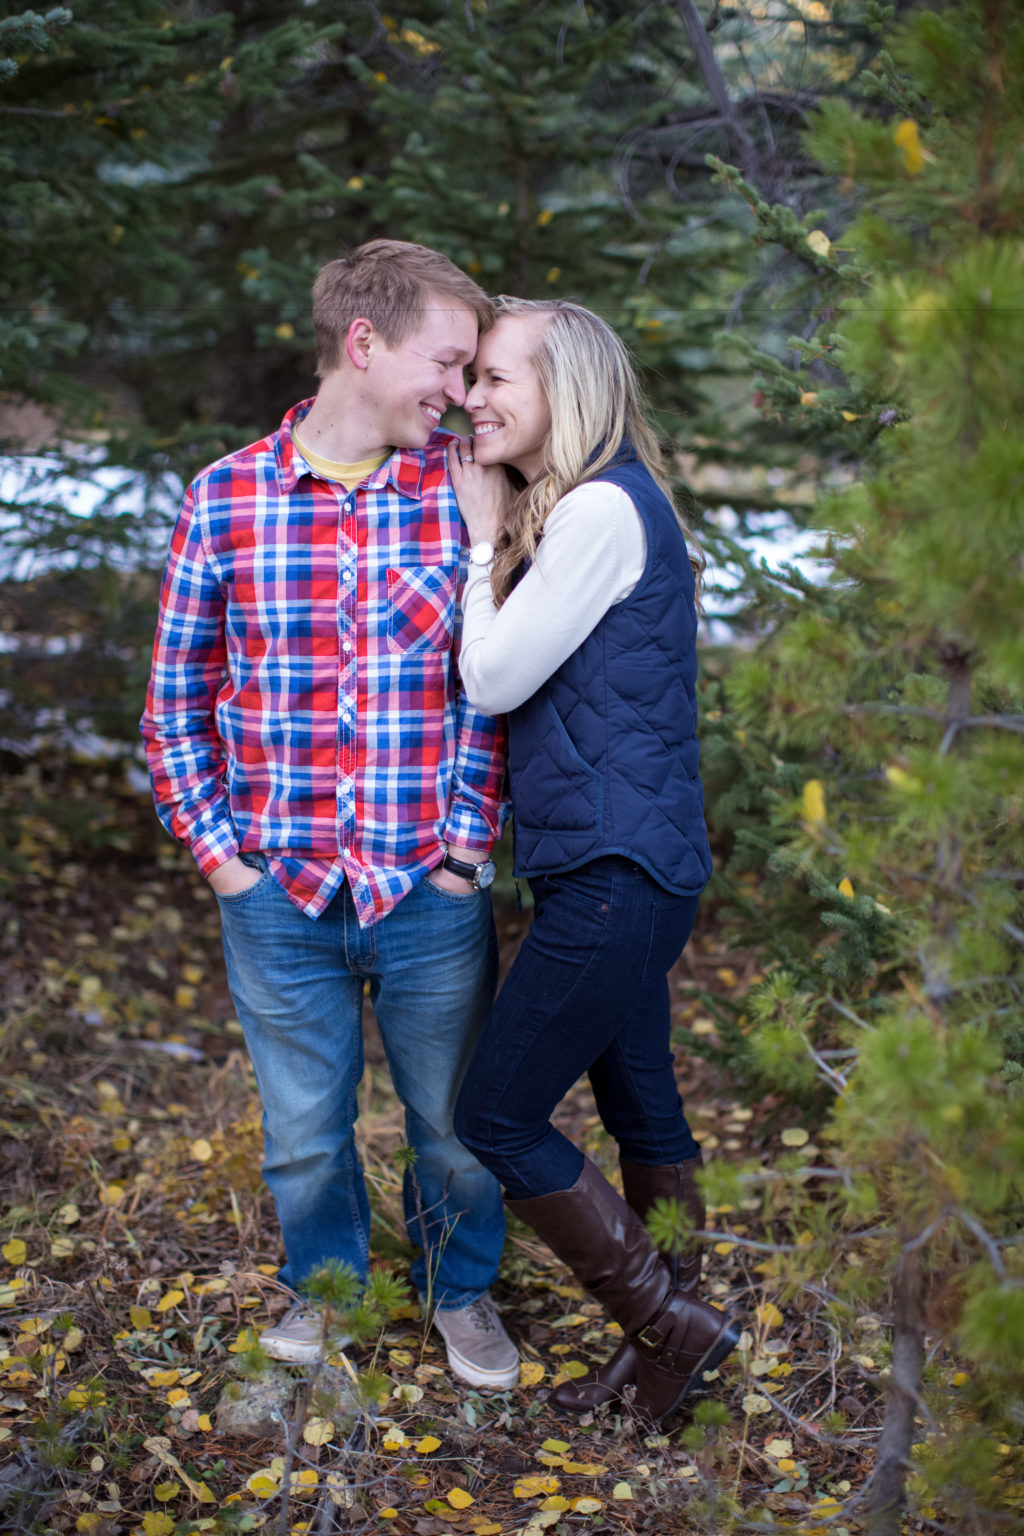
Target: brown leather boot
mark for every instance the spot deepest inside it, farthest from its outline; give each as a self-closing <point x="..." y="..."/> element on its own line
<point x="642" y="1188"/>
<point x="606" y="1245"/>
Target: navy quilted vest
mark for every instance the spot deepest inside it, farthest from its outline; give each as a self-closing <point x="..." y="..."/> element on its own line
<point x="604" y="758"/>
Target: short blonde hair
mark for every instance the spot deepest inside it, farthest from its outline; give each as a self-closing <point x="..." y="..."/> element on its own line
<point x="391" y="283"/>
<point x="596" y="402"/>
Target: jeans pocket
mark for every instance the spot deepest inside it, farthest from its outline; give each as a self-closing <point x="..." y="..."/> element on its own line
<point x="672" y="920"/>
<point x="421" y="608"/>
<point x="255" y="861"/>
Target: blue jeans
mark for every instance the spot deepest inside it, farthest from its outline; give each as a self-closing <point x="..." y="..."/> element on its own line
<point x="297" y="985"/>
<point x="588" y="992"/>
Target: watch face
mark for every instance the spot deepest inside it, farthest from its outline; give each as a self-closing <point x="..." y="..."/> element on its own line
<point x="485" y="875"/>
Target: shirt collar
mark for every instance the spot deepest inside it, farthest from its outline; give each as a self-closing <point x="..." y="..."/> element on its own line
<point x="403" y="470"/>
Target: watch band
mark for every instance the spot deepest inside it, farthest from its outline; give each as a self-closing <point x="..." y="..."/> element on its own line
<point x="479" y="875"/>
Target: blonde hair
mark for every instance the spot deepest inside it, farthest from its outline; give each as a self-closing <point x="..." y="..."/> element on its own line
<point x="596" y="401"/>
<point x="391" y="283"/>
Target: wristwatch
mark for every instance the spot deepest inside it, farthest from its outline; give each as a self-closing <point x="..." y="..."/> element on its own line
<point x="480" y="876"/>
<point x="482" y="553"/>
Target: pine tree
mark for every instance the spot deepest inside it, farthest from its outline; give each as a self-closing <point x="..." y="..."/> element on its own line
<point x="884" y="719"/>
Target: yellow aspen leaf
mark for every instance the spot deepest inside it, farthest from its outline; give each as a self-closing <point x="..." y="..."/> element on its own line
<point x="586" y="1506"/>
<point x="899" y="778"/>
<point x="203" y="1494"/>
<point x="555" y="1501"/>
<point x="184" y="997"/>
<point x="808" y="396"/>
<point x="908" y="140"/>
<point x="247" y="1339"/>
<point x="171" y="1299"/>
<point x="285" y="330"/>
<point x="851" y="416"/>
<point x="561" y="1446"/>
<point x="89" y="1522"/>
<point x="459" y="1498"/>
<point x="262" y="1484"/>
<point x="204" y="1423"/>
<point x="73" y="1340"/>
<point x="69" y="1214"/>
<point x="487" y="1528"/>
<point x="201" y="1150"/>
<point x="813" y="802"/>
<point x="428" y="1443"/>
<point x="140" y="1318"/>
<point x="819" y="242"/>
<point x="769" y="1315"/>
<point x="782" y="1369"/>
<point x="622" y="1491"/>
<point x="779" y="1447"/>
<point x="156" y="1523"/>
<point x="787" y="1464"/>
<point x="846" y="888"/>
<point x="407" y="1394"/>
<point x="575" y="1368"/>
<point x="192" y="973"/>
<point x="534" y="1487"/>
<point x="552" y="274"/>
<point x="584" y="1468"/>
<point x="387" y="1514"/>
<point x="550" y="1459"/>
<point x="165" y="1492"/>
<point x="721" y="1248"/>
<point x="754" y="1402"/>
<point x="318" y="1431"/>
<point x="307" y="1478"/>
<point x="158" y="1377"/>
<point x="794" y="1136"/>
<point x="400" y="1357"/>
<point x="726" y="975"/>
<point x="960" y="1378"/>
<point x="356" y="183"/>
<point x="176" y="1396"/>
<point x="561" y="1349"/>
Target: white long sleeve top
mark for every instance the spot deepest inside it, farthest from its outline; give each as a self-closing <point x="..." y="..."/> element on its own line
<point x="591" y="556"/>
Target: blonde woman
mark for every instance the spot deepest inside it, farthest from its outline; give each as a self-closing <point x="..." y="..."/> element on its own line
<point x="579" y="623"/>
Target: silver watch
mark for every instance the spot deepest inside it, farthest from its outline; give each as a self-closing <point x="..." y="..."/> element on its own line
<point x="482" y="553"/>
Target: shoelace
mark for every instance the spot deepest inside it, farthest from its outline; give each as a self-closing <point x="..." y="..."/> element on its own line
<point x="482" y="1313"/>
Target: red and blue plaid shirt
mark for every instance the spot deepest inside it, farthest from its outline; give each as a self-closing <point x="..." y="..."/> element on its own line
<point x="304" y="697"/>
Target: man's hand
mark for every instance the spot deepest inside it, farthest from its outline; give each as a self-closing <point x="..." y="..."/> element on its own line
<point x="447" y="880"/>
<point x="234" y="876"/>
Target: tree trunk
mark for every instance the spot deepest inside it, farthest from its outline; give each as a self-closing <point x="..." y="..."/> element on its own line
<point x="887" y="1489"/>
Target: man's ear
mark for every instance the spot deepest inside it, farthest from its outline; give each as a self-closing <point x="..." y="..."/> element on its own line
<point x="359" y="343"/>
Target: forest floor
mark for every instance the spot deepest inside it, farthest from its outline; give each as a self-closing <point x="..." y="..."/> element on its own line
<point x="140" y="1249"/>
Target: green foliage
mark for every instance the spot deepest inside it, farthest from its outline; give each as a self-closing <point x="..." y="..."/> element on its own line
<point x="888" y="886"/>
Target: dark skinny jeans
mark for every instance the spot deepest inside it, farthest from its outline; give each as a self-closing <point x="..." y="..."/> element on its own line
<point x="588" y="992"/>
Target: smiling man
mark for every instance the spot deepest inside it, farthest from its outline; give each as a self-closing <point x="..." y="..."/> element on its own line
<point x="309" y="742"/>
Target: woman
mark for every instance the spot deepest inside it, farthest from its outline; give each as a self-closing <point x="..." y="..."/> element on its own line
<point x="579" y="622"/>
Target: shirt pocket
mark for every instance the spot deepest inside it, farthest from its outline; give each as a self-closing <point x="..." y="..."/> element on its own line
<point x="421" y="608"/>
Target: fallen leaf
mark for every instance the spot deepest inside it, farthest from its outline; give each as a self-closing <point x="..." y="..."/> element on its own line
<point x="769" y="1314"/>
<point x="622" y="1491"/>
<point x="458" y="1498"/>
<point x="531" y="1373"/>
<point x="426" y="1445"/>
<point x="813" y="799"/>
<point x="171" y="1299"/>
<point x="318" y="1431"/>
<point x="533" y="1487"/>
<point x="819" y="242"/>
<point x="794" y="1136"/>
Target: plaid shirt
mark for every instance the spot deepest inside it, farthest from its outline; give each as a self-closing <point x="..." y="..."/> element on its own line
<point x="304" y="698"/>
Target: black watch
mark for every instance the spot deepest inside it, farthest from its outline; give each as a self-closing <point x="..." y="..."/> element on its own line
<point x="480" y="876"/>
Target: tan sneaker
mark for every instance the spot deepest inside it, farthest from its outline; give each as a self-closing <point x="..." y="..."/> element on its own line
<point x="479" y="1349"/>
<point x="299" y="1336"/>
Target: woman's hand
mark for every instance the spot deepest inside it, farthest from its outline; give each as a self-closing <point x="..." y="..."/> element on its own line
<point x="483" y="492"/>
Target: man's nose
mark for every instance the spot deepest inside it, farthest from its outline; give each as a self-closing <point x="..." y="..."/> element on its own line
<point x="455" y="388"/>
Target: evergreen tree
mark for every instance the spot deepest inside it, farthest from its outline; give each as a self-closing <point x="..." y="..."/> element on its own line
<point x="882" y="751"/>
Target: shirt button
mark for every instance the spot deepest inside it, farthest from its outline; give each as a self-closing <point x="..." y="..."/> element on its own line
<point x="346" y="647"/>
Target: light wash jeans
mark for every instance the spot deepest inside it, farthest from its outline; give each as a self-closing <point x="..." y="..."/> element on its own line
<point x="298" y="987"/>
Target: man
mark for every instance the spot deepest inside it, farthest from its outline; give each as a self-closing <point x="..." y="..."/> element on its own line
<point x="309" y="742"/>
